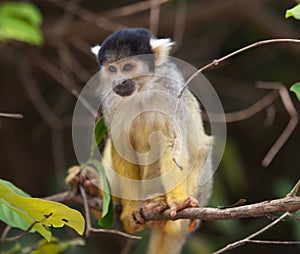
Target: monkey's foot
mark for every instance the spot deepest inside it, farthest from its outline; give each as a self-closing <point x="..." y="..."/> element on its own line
<point x="155" y="205"/>
<point x="189" y="202"/>
<point x="88" y="177"/>
<point x="133" y="220"/>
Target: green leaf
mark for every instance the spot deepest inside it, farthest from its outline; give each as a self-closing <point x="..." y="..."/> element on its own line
<point x="46" y="213"/>
<point x="15" y="188"/>
<point x="108" y="210"/>
<point x="98" y="135"/>
<point x="22" y="10"/>
<point x="20" y="21"/>
<point x="296" y="89"/>
<point x="9" y="216"/>
<point x="11" y="28"/>
<point x="294" y="12"/>
<point x="100" y="131"/>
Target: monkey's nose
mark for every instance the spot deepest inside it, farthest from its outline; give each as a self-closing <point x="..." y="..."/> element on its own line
<point x="125" y="88"/>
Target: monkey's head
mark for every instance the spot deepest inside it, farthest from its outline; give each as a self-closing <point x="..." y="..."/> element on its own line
<point x="127" y="55"/>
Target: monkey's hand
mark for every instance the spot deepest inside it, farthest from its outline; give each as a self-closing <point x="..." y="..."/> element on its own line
<point x="88" y="177"/>
<point x="131" y="216"/>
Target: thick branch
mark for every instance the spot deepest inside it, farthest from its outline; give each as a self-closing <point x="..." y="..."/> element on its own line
<point x="247" y="211"/>
<point x="265" y="208"/>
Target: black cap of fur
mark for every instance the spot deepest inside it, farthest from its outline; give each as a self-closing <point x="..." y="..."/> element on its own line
<point x="125" y="43"/>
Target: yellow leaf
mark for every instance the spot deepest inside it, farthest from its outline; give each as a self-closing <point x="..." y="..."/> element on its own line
<point x="47" y="213"/>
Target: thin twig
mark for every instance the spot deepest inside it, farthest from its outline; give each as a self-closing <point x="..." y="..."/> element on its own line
<point x="245" y="240"/>
<point x="18" y="237"/>
<point x="54" y="72"/>
<point x="5" y="232"/>
<point x="12" y="115"/>
<point x="273" y="242"/>
<point x="295" y="191"/>
<point x="174" y="150"/>
<point x="116" y="232"/>
<point x="37" y="99"/>
<point x="293" y="122"/>
<point x="131" y="9"/>
<point x="86" y="211"/>
<point x="222" y="59"/>
<point x="85" y="103"/>
<point x="84" y="14"/>
<point x="64" y="80"/>
<point x="82" y="46"/>
<point x="71" y="62"/>
<point x="90" y="229"/>
<point x="294" y="217"/>
<point x="246" y="113"/>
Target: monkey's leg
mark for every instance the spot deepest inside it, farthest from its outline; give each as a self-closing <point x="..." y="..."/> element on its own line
<point x="131" y="212"/>
<point x="178" y="197"/>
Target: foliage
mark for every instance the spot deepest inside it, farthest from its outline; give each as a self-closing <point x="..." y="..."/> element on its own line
<point x="107" y="212"/>
<point x="54" y="246"/>
<point x="296" y="89"/>
<point x="294" y="12"/>
<point x="98" y="135"/>
<point x="20" y="21"/>
<point x="19" y="210"/>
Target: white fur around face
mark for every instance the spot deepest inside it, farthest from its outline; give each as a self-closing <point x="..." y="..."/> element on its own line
<point x="161" y="49"/>
<point x="95" y="49"/>
<point x="165" y="43"/>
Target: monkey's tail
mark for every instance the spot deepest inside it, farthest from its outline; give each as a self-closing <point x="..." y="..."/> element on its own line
<point x="162" y="242"/>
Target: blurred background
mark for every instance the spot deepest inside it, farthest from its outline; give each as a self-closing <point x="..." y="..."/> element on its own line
<point x="41" y="77"/>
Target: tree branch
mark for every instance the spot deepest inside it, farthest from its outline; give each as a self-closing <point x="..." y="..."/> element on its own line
<point x="12" y="115"/>
<point x="264" y="208"/>
<point x="287" y="204"/>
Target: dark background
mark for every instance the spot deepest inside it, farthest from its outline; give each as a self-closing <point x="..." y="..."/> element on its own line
<point x="36" y="151"/>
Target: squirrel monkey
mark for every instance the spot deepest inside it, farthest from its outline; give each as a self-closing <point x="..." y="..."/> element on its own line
<point x="139" y="87"/>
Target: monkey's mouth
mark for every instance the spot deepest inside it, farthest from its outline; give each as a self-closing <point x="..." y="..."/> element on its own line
<point x="125" y="88"/>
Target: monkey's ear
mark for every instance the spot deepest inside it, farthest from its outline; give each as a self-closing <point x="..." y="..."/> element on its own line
<point x="161" y="49"/>
<point x="95" y="50"/>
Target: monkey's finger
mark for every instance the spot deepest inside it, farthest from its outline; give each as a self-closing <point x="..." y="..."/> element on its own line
<point x="189" y="202"/>
<point x="193" y="225"/>
<point x="138" y="217"/>
<point x="155" y="206"/>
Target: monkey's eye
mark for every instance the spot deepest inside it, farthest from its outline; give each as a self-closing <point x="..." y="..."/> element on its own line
<point x="127" y="67"/>
<point x="112" y="68"/>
